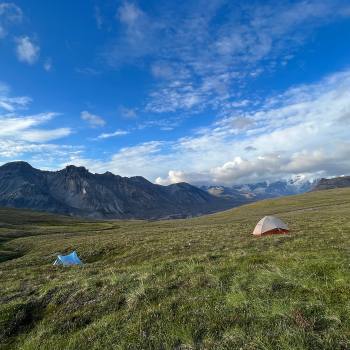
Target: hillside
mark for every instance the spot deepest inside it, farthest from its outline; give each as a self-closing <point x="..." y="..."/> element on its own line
<point x="335" y="182"/>
<point x="76" y="191"/>
<point x="201" y="283"/>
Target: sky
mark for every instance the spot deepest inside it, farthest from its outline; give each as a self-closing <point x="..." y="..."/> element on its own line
<point x="207" y="92"/>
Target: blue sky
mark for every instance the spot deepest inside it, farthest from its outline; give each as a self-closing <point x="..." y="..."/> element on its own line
<point x="217" y="92"/>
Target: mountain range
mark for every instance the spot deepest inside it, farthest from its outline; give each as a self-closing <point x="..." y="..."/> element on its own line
<point x="262" y="190"/>
<point x="75" y="191"/>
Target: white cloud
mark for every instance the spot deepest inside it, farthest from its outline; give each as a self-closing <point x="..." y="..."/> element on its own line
<point x="27" y="134"/>
<point x="274" y="166"/>
<point x="112" y="134"/>
<point x="176" y="176"/>
<point x="129" y="14"/>
<point x="39" y="153"/>
<point x="128" y="161"/>
<point x="9" y="14"/>
<point x="173" y="177"/>
<point x="22" y="137"/>
<point x="93" y="120"/>
<point x="11" y="11"/>
<point x="168" y="124"/>
<point x="11" y="104"/>
<point x="45" y="135"/>
<point x="137" y="37"/>
<point x="27" y="50"/>
<point x="199" y="65"/>
<point x="29" y="137"/>
<point x="24" y="128"/>
<point x="301" y="131"/>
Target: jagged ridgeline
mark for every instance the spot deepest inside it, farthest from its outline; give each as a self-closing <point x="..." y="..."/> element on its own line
<point x="76" y="191"/>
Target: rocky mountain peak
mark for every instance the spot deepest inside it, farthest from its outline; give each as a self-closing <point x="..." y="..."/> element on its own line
<point x="17" y="165"/>
<point x="75" y="169"/>
<point x="75" y="191"/>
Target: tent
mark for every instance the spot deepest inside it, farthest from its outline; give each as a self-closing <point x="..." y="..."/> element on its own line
<point x="270" y="225"/>
<point x="70" y="259"/>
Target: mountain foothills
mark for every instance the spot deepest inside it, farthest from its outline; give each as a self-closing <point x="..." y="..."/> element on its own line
<point x="75" y="191"/>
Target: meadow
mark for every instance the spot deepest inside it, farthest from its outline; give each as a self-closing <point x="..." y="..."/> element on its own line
<point x="201" y="283"/>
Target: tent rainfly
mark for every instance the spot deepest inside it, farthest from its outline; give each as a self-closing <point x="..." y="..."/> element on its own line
<point x="70" y="259"/>
<point x="270" y="225"/>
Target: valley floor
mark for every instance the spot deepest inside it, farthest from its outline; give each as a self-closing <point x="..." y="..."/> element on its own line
<point x="202" y="283"/>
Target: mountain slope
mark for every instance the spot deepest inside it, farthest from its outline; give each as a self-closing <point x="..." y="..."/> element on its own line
<point x="76" y="191"/>
<point x="201" y="283"/>
<point x="336" y="182"/>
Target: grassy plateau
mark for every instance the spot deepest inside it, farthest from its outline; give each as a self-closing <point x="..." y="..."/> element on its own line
<point x="202" y="283"/>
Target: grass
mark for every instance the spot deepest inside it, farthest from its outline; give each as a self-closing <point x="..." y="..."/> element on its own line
<point x="203" y="283"/>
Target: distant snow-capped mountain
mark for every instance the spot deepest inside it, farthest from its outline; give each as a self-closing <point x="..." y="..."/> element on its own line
<point x="262" y="190"/>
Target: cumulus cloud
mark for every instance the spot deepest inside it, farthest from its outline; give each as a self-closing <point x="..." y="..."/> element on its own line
<point x="92" y="119"/>
<point x="176" y="176"/>
<point x="275" y="166"/>
<point x="173" y="177"/>
<point x="27" y="50"/>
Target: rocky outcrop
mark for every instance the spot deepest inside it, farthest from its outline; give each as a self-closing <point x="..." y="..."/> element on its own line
<point x="335" y="182"/>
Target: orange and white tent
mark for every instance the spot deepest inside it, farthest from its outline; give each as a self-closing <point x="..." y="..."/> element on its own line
<point x="270" y="225"/>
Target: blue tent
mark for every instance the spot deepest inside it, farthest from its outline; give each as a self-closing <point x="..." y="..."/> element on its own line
<point x="70" y="259"/>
